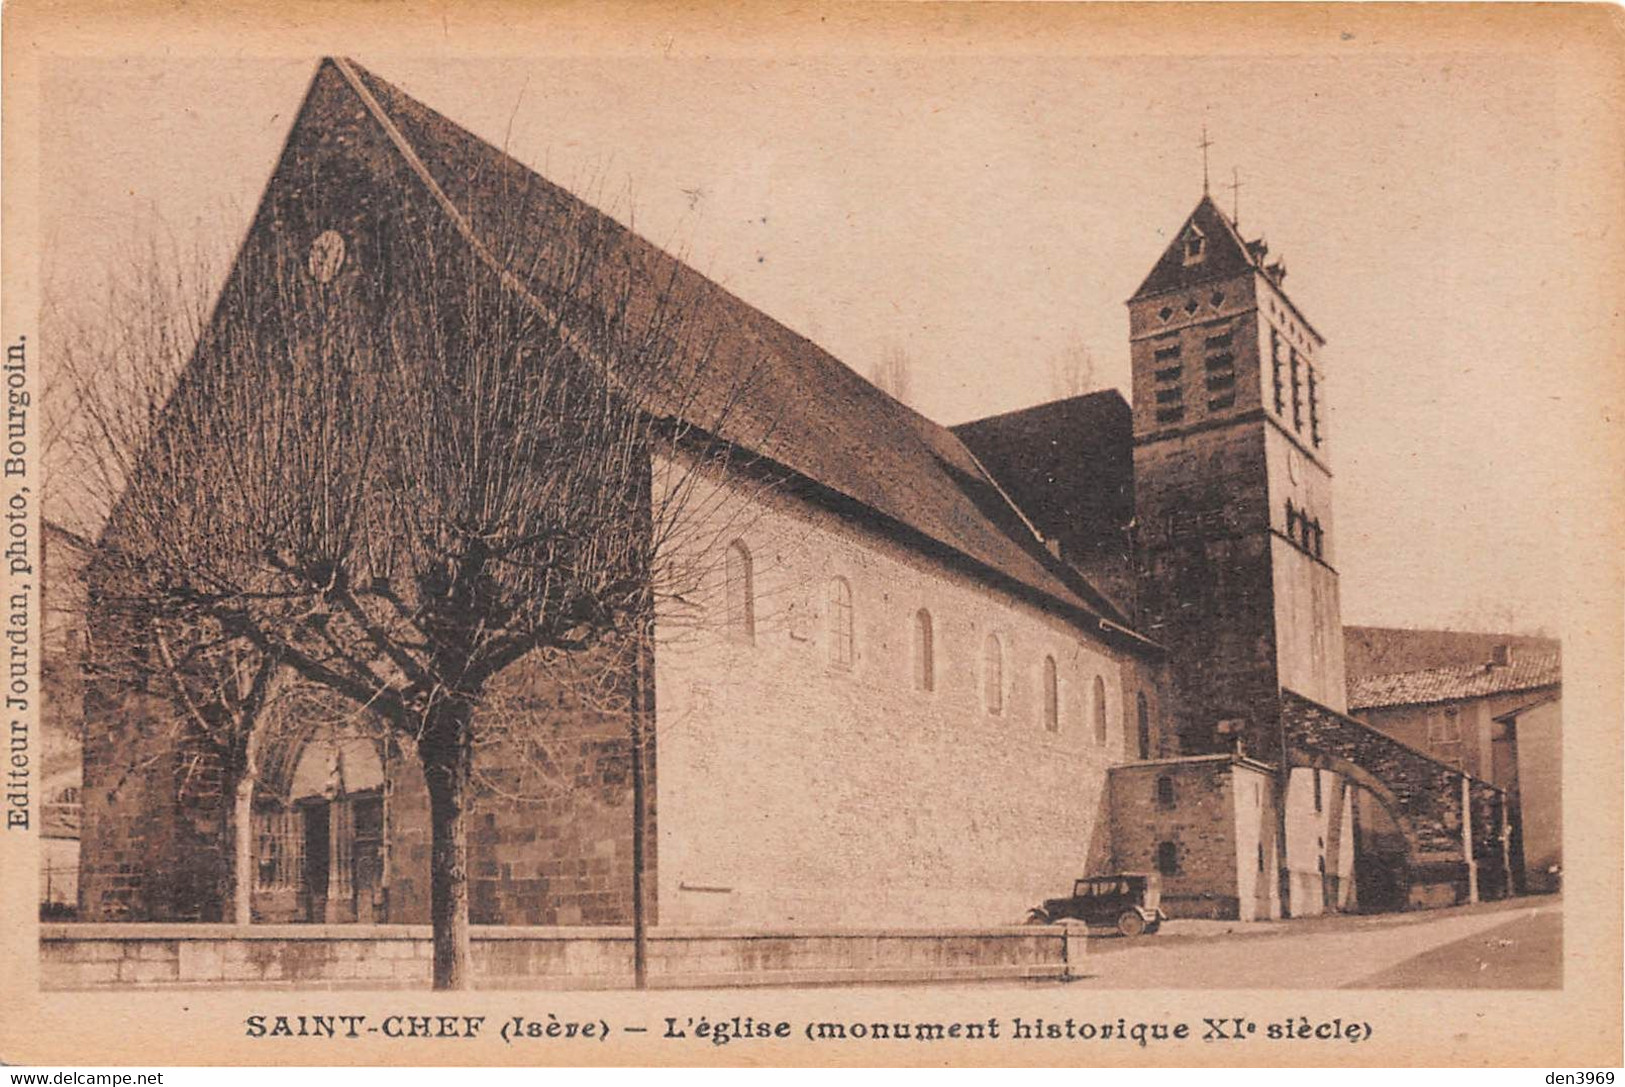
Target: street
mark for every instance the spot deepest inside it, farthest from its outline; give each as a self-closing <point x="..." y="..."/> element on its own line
<point x="1505" y="945"/>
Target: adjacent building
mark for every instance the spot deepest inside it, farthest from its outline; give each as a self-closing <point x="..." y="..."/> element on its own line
<point x="1488" y="704"/>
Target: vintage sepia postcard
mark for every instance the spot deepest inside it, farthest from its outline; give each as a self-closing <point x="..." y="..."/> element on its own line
<point x="645" y="535"/>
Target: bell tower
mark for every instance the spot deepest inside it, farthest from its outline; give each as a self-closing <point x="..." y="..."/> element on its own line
<point x="1236" y="559"/>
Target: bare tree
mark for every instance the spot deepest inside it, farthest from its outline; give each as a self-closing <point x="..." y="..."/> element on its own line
<point x="1072" y="369"/>
<point x="894" y="373"/>
<point x="115" y="370"/>
<point x="396" y="482"/>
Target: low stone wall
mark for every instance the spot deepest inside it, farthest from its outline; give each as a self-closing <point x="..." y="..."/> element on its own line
<point x="87" y="956"/>
<point x="1209" y="907"/>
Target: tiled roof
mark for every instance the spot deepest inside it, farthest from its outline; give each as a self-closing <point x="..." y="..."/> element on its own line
<point x="1372" y="651"/>
<point x="1455" y="682"/>
<point x="1068" y="464"/>
<point x="803" y="408"/>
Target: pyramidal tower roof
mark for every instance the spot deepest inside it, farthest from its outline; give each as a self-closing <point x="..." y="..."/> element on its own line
<point x="1226" y="253"/>
<point x="362" y="150"/>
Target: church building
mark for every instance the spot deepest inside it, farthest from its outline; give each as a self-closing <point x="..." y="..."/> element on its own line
<point x="939" y="673"/>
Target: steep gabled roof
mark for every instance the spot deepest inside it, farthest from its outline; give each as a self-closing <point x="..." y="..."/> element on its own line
<point x="1455" y="682"/>
<point x="1225" y="255"/>
<point x="1069" y="464"/>
<point x="804" y="409"/>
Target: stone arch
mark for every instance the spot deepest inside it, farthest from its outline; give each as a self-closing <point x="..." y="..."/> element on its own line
<point x="1424" y="790"/>
<point x="318" y="818"/>
<point x="336" y="761"/>
<point x="301" y="719"/>
<point x="1364" y="779"/>
<point x="1447" y="843"/>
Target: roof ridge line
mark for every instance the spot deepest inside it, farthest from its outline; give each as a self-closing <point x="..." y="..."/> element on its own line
<point x="1468" y="666"/>
<point x="1110" y="390"/>
<point x="348" y="69"/>
<point x="505" y="274"/>
<point x="1235" y="232"/>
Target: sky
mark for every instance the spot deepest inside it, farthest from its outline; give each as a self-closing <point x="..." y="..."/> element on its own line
<point x="981" y="213"/>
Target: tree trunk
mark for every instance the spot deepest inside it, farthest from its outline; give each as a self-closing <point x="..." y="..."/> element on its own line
<point x="242" y="858"/>
<point x="447" y="757"/>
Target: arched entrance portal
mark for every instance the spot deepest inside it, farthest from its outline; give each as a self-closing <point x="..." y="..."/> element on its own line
<point x="320" y="845"/>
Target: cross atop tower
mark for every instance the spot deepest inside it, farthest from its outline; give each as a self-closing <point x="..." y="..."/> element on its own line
<point x="1204" y="145"/>
<point x="1235" y="197"/>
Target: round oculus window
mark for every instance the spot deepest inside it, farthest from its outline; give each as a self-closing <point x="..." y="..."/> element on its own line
<point x="326" y="256"/>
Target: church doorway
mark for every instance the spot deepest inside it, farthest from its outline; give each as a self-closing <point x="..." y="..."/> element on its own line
<point x="318" y="830"/>
<point x="321" y="846"/>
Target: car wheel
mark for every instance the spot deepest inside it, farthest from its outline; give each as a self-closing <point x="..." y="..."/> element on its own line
<point x="1151" y="929"/>
<point x="1130" y="923"/>
<point x="1038" y="917"/>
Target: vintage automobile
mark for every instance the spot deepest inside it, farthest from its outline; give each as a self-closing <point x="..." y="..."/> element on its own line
<point x="1127" y="901"/>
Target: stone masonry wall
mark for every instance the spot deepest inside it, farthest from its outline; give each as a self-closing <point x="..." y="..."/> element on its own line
<point x="801" y="787"/>
<point x="1198" y="818"/>
<point x="123" y="957"/>
<point x="550" y="827"/>
<point x="126" y="815"/>
<point x="1427" y="793"/>
<point x="153" y="838"/>
<point x="1206" y="587"/>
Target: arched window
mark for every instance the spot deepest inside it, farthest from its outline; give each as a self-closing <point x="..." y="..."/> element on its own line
<point x="1167" y="858"/>
<point x="840" y="623"/>
<point x="740" y="593"/>
<point x="925" y="661"/>
<point x="1165" y="791"/>
<point x="993" y="675"/>
<point x="1142" y="712"/>
<point x="1052" y="697"/>
<point x="1100" y="711"/>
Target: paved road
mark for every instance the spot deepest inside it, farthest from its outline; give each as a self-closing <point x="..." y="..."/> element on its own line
<point x="1511" y="945"/>
<point x="1516" y="944"/>
<point x="1524" y="953"/>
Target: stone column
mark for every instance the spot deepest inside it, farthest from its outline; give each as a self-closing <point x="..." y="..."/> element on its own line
<point x="1467" y="838"/>
<point x="1506" y="847"/>
<point x="331" y="905"/>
